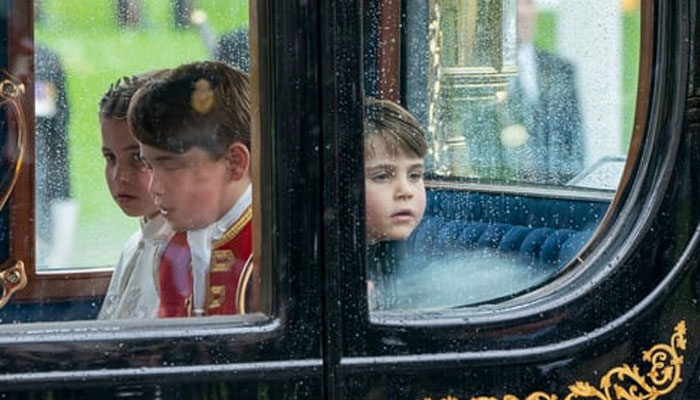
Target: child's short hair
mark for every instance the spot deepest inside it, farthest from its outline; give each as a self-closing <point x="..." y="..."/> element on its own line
<point x="396" y="126"/>
<point x="204" y="104"/>
<point x="115" y="102"/>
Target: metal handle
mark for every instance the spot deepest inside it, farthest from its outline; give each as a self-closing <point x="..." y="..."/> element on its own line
<point x="13" y="277"/>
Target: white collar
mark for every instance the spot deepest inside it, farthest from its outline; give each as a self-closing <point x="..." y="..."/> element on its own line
<point x="527" y="73"/>
<point x="155" y="228"/>
<point x="224" y="223"/>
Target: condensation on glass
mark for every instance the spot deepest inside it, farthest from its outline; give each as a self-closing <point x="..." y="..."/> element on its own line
<point x="528" y="108"/>
<point x="80" y="49"/>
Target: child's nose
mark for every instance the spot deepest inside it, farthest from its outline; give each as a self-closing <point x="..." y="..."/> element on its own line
<point x="120" y="174"/>
<point x="404" y="190"/>
<point x="155" y="186"/>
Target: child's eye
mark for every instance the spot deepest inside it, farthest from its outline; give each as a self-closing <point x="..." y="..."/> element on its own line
<point x="137" y="161"/>
<point x="415" y="175"/>
<point x="381" y="177"/>
<point x="109" y="158"/>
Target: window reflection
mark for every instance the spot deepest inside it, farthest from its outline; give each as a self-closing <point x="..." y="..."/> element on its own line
<point x="80" y="49"/>
<point x="56" y="212"/>
<point x="527" y="138"/>
<point x="541" y="121"/>
<point x="568" y="105"/>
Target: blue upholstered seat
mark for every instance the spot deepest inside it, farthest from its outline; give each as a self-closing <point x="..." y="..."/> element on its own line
<point x="533" y="231"/>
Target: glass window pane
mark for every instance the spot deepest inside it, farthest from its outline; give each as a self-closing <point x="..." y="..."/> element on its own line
<point x="100" y="201"/>
<point x="80" y="50"/>
<point x="527" y="108"/>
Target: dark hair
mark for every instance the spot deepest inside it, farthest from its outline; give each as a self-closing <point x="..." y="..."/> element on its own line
<point x="395" y="125"/>
<point x="204" y="104"/>
<point x="114" y="104"/>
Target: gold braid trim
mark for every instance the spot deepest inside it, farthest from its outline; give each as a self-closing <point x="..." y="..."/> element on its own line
<point x="243" y="285"/>
<point x="625" y="382"/>
<point x="236" y="228"/>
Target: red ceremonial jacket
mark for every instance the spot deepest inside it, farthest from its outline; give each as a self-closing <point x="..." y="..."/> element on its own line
<point x="229" y="273"/>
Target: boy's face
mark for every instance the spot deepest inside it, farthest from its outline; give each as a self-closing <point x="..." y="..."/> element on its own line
<point x="394" y="192"/>
<point x="127" y="177"/>
<point x="188" y="188"/>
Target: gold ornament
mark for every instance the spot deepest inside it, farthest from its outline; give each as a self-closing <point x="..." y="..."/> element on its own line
<point x="203" y="96"/>
<point x="625" y="382"/>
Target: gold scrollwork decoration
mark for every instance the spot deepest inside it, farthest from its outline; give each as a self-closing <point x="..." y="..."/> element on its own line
<point x="11" y="91"/>
<point x="626" y="382"/>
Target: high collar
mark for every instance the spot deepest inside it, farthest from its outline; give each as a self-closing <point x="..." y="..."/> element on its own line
<point x="220" y="227"/>
<point x="200" y="242"/>
<point x="156" y="228"/>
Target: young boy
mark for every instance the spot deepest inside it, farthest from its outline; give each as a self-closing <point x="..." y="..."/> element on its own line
<point x="394" y="191"/>
<point x="194" y="134"/>
<point x="132" y="291"/>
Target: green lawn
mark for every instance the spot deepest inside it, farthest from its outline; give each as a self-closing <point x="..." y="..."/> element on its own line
<point x="631" y="28"/>
<point x="95" y="52"/>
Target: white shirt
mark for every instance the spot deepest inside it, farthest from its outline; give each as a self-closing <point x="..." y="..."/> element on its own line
<point x="200" y="242"/>
<point x="133" y="289"/>
<point x="527" y="74"/>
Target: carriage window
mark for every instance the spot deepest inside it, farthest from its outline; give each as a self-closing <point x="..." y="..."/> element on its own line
<point x="80" y="50"/>
<point x="106" y="221"/>
<point x="527" y="110"/>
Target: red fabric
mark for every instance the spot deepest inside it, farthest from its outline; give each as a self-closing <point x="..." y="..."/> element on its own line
<point x="175" y="278"/>
<point x="240" y="247"/>
<point x="229" y="257"/>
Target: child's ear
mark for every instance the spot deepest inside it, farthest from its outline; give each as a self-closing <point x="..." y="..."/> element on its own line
<point x="238" y="160"/>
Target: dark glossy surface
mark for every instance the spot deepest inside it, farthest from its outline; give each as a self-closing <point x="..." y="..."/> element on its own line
<point x="263" y="357"/>
<point x="635" y="281"/>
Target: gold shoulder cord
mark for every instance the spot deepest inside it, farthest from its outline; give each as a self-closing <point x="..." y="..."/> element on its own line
<point x="625" y="382"/>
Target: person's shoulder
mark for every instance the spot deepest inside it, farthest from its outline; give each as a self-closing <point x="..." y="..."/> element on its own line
<point x="552" y="59"/>
<point x="45" y="55"/>
<point x="232" y="49"/>
<point x="237" y="230"/>
<point x="553" y="63"/>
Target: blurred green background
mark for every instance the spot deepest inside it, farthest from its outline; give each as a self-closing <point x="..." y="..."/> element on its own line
<point x="95" y="51"/>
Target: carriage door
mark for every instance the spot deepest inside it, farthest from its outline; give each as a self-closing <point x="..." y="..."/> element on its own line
<point x="62" y="232"/>
<point x="557" y="254"/>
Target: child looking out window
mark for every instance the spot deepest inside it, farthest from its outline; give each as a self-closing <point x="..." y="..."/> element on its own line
<point x="395" y="146"/>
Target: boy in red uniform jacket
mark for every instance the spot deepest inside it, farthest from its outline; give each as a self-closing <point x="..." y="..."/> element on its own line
<point x="194" y="134"/>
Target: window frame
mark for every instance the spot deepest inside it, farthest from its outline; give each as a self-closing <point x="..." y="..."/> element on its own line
<point x="41" y="286"/>
<point x="391" y="45"/>
<point x="285" y="344"/>
<point x="603" y="260"/>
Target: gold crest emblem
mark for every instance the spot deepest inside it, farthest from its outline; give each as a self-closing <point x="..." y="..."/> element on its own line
<point x="203" y="96"/>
